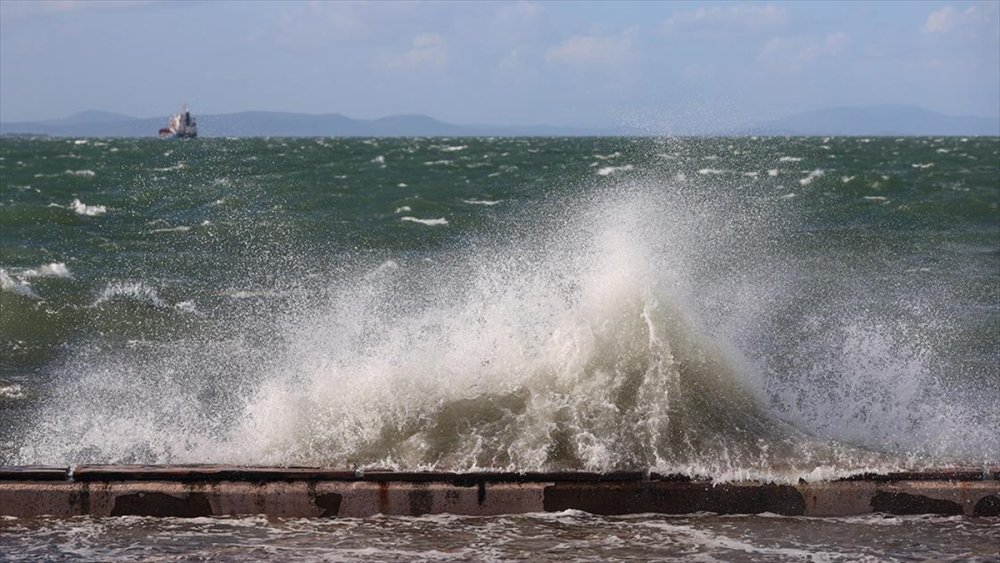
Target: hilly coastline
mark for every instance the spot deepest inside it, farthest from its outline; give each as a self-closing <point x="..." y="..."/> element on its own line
<point x="884" y="120"/>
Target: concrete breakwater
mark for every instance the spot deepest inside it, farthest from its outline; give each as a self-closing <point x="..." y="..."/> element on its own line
<point x="214" y="490"/>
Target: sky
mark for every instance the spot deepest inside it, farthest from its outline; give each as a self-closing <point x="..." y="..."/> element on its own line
<point x="637" y="64"/>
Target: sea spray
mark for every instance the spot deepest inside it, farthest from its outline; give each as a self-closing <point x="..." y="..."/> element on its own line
<point x="657" y="319"/>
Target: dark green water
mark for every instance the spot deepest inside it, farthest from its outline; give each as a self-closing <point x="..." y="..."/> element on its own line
<point x="732" y="307"/>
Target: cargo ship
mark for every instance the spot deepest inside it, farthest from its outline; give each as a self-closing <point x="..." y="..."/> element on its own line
<point x="180" y="126"/>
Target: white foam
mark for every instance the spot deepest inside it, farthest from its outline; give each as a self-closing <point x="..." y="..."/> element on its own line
<point x="81" y="208"/>
<point x="608" y="170"/>
<point x="129" y="291"/>
<point x="380" y="159"/>
<point x="177" y="166"/>
<point x="847" y="179"/>
<point x="615" y="154"/>
<point x="188" y="307"/>
<point x="772" y="172"/>
<point x="180" y="229"/>
<point x="817" y="173"/>
<point x="81" y="173"/>
<point x="12" y="391"/>
<point x="20" y="287"/>
<point x="481" y="201"/>
<point x="53" y="270"/>
<point x="401" y="185"/>
<point x="428" y="222"/>
<point x="924" y="165"/>
<point x="790" y="159"/>
<point x="403" y="209"/>
<point x="452" y="148"/>
<point x="710" y="171"/>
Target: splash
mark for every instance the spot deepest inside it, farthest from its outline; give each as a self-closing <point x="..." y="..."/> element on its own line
<point x="640" y="327"/>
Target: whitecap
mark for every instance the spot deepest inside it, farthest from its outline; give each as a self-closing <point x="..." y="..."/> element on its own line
<point x="403" y="209"/>
<point x="428" y="222"/>
<point x="480" y="202"/>
<point x="81" y="173"/>
<point x="772" y="172"/>
<point x="615" y="154"/>
<point x="178" y="166"/>
<point x="180" y="229"/>
<point x="876" y="198"/>
<point x="710" y="171"/>
<point x="790" y="159"/>
<point x="81" y="208"/>
<point x="437" y="162"/>
<point x="452" y="148"/>
<point x="12" y="391"/>
<point x="923" y="165"/>
<point x="22" y="288"/>
<point x="847" y="179"/>
<point x="378" y="159"/>
<point x="401" y="185"/>
<point x="608" y="170"/>
<point x="811" y="176"/>
<point x="187" y="307"/>
<point x="53" y="270"/>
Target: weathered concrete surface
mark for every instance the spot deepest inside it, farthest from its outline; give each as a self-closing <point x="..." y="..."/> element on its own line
<point x="191" y="491"/>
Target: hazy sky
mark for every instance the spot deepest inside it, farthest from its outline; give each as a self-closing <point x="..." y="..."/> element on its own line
<point x="504" y="63"/>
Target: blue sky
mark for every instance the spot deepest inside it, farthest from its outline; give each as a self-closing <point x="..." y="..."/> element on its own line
<point x="505" y="63"/>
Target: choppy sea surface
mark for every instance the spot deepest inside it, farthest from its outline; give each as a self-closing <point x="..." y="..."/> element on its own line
<point x="775" y="308"/>
<point x="560" y="536"/>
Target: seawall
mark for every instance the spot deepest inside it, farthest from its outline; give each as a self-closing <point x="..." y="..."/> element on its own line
<point x="213" y="490"/>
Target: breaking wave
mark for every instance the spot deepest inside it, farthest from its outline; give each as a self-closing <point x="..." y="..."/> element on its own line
<point x="637" y="328"/>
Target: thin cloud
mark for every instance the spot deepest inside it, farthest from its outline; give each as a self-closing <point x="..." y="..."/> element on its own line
<point x="593" y="51"/>
<point x="742" y="17"/>
<point x="428" y="50"/>
<point x="795" y="53"/>
<point x="971" y="21"/>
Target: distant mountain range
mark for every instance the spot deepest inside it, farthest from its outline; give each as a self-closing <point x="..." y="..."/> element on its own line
<point x="865" y="121"/>
<point x="277" y="124"/>
<point x="877" y="121"/>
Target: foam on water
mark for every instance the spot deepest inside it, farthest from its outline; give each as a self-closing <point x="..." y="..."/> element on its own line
<point x="178" y="229"/>
<point x="817" y="173"/>
<point x="81" y="208"/>
<point x="429" y="222"/>
<point x="53" y="270"/>
<point x="137" y="292"/>
<point x="19" y="287"/>
<point x="608" y="170"/>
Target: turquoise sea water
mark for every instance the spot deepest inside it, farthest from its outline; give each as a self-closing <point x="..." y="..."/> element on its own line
<point x="730" y="307"/>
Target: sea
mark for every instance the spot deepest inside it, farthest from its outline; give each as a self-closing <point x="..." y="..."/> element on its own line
<point x="731" y="308"/>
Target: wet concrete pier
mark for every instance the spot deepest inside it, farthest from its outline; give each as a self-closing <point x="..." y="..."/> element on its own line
<point x="214" y="490"/>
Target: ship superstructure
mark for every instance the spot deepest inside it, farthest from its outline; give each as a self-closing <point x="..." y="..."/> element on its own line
<point x="181" y="125"/>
